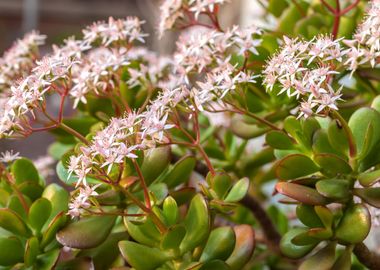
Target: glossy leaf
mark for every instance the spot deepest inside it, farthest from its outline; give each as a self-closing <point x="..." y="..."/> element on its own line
<point x="220" y="183"/>
<point x="181" y="171"/>
<point x="31" y="251"/>
<point x="197" y="224"/>
<point x="334" y="188"/>
<point x="291" y="250"/>
<point x="301" y="193"/>
<point x="238" y="191"/>
<point x="55" y="224"/>
<point x="12" y="222"/>
<point x="369" y="178"/>
<point x="58" y="197"/>
<point x="155" y="162"/>
<point x="321" y="260"/>
<point x="307" y="215"/>
<point x="146" y="233"/>
<point x="24" y="170"/>
<point x="337" y="137"/>
<point x="220" y="244"/>
<point x="39" y="213"/>
<point x="173" y="237"/>
<point x="88" y="232"/>
<point x="244" y="247"/>
<point x="354" y="225"/>
<point x="170" y="210"/>
<point x="294" y="166"/>
<point x="332" y="164"/>
<point x="278" y="140"/>
<point x="361" y="122"/>
<point x="142" y="257"/>
<point x="216" y="264"/>
<point x="11" y="251"/>
<point x="369" y="195"/>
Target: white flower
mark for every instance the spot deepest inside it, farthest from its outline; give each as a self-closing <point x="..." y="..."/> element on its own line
<point x="300" y="70"/>
<point x="9" y="156"/>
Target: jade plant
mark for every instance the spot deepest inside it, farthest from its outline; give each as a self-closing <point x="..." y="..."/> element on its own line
<point x="247" y="148"/>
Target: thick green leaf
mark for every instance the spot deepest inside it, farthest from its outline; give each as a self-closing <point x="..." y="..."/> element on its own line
<point x="216" y="264"/>
<point x="279" y="219"/>
<point x="369" y="178"/>
<point x="278" y="140"/>
<point x="244" y="247"/>
<point x="291" y="250"/>
<point x="181" y="171"/>
<point x="220" y="183"/>
<point x="332" y="164"/>
<point x="276" y="7"/>
<point x="15" y="204"/>
<point x="294" y="166"/>
<point x="325" y="215"/>
<point x="301" y="193"/>
<point x="58" y="197"/>
<point x="334" y="188"/>
<point x="307" y="215"/>
<point x="47" y="260"/>
<point x="146" y="233"/>
<point x="220" y="244"/>
<point x="337" y="137"/>
<point x="155" y="162"/>
<point x="88" y="232"/>
<point x="31" y="251"/>
<point x="355" y="225"/>
<point x="55" y="224"/>
<point x="361" y="123"/>
<point x="369" y="195"/>
<point x="24" y="170"/>
<point x="238" y="191"/>
<point x="344" y="260"/>
<point x="173" y="237"/>
<point x="170" y="210"/>
<point x="142" y="257"/>
<point x="11" y="251"/>
<point x="309" y="127"/>
<point x="104" y="255"/>
<point x="12" y="222"/>
<point x="39" y="213"/>
<point x="321" y="260"/>
<point x="31" y="189"/>
<point x="197" y="224"/>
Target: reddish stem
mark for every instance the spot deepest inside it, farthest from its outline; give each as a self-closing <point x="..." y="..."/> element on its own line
<point x="143" y="184"/>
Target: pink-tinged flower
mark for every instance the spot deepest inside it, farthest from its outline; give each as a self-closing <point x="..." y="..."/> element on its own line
<point x="82" y="200"/>
<point x="9" y="156"/>
<point x="365" y="48"/>
<point x="303" y="70"/>
<point x="125" y="31"/>
<point x="19" y="59"/>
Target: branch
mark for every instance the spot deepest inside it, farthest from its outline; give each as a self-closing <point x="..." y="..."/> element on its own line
<point x="368" y="258"/>
<point x="270" y="231"/>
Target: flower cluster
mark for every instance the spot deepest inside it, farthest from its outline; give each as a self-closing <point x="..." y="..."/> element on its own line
<point x="123" y="136"/>
<point x="27" y="94"/>
<point x="218" y="83"/>
<point x="304" y="69"/>
<point x="365" y="47"/>
<point x="122" y="31"/>
<point x="174" y="11"/>
<point x="82" y="201"/>
<point x="200" y="48"/>
<point x="96" y="72"/>
<point x="19" y="59"/>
